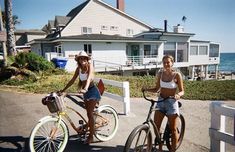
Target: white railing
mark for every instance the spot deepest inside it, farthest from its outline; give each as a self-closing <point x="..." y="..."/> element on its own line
<point x="218" y="135"/>
<point x="141" y="60"/>
<point x="125" y="98"/>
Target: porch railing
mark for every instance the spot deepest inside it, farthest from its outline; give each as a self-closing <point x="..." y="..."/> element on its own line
<point x="142" y="60"/>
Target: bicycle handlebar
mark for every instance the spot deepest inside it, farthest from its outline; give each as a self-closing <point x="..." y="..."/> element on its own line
<point x="152" y="100"/>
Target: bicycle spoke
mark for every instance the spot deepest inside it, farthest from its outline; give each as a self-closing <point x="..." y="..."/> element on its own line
<point x="49" y="136"/>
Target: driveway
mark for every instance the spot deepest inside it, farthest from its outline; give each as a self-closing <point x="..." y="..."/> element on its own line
<point x="19" y="112"/>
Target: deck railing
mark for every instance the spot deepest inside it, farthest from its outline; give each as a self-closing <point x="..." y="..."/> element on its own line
<point x="141" y="60"/>
<point x="217" y="132"/>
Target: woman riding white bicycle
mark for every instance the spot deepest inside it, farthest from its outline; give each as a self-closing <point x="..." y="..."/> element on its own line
<point x="87" y="87"/>
<point x="167" y="83"/>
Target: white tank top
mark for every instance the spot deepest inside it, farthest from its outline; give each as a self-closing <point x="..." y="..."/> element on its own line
<point x="169" y="85"/>
<point x="82" y="76"/>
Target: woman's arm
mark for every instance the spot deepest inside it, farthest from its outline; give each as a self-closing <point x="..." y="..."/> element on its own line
<point x="180" y="85"/>
<point x="72" y="80"/>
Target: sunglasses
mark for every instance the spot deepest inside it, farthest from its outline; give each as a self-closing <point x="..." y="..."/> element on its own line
<point x="83" y="58"/>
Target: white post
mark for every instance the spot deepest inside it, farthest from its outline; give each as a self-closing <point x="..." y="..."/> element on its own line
<point x="126" y="97"/>
<point x="218" y="124"/>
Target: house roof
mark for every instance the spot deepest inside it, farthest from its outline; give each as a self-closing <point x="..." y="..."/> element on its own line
<point x="62" y="20"/>
<point x="51" y="23"/>
<point x="30" y="31"/>
<point x="77" y="9"/>
<point x="97" y="38"/>
<point x="103" y="37"/>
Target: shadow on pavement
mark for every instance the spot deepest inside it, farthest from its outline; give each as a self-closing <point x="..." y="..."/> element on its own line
<point x="20" y="144"/>
<point x="13" y="143"/>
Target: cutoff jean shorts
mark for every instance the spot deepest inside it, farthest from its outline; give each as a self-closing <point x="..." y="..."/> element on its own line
<point x="92" y="94"/>
<point x="168" y="106"/>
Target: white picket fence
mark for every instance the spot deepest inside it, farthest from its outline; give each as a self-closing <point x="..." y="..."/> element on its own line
<point x="125" y="98"/>
<point x="217" y="132"/>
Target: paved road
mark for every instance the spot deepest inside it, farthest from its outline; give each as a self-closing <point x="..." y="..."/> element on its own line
<point x="19" y="112"/>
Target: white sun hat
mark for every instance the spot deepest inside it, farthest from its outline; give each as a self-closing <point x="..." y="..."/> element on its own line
<point x="82" y="54"/>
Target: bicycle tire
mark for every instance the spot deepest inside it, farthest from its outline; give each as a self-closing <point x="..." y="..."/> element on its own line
<point x="140" y="137"/>
<point x="181" y="130"/>
<point x="109" y="129"/>
<point x="40" y="139"/>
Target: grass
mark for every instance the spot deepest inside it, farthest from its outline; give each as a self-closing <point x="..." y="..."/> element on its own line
<point x="194" y="90"/>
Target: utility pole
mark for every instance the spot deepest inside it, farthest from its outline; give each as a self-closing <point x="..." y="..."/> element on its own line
<point x="3" y="40"/>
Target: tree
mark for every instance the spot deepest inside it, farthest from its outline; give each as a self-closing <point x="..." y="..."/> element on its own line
<point x="3" y="43"/>
<point x="9" y="28"/>
<point x="16" y="20"/>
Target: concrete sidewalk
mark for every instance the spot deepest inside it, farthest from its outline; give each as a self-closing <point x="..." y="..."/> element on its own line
<point x="19" y="112"/>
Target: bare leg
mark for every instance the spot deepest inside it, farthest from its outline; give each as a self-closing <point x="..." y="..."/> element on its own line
<point x="173" y="127"/>
<point x="90" y="106"/>
<point x="158" y="117"/>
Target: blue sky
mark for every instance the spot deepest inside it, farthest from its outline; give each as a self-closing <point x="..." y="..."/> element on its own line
<point x="212" y="20"/>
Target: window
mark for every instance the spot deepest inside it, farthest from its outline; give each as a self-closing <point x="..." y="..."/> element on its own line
<point x="154" y="50"/>
<point x="147" y="50"/>
<point x="86" y="30"/>
<point x="103" y="27"/>
<point x="88" y="49"/>
<point x="170" y="48"/>
<point x="129" y="32"/>
<point x="193" y="50"/>
<point x="214" y="50"/>
<point x="150" y="50"/>
<point x="182" y="52"/>
<point x="203" y="50"/>
<point x="113" y="28"/>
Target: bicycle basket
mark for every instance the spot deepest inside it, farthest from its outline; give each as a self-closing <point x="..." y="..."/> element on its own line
<point x="54" y="102"/>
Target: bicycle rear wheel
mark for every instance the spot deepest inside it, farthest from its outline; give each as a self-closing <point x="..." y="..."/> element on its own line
<point x="49" y="136"/>
<point x="140" y="140"/>
<point x="106" y="123"/>
<point x="180" y="130"/>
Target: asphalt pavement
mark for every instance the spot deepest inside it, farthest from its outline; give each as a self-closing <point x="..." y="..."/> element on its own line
<point x="19" y="112"/>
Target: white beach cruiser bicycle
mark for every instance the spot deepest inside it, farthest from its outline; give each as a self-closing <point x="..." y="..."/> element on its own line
<point x="51" y="133"/>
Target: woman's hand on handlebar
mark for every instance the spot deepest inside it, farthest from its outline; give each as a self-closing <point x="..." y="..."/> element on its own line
<point x="82" y="91"/>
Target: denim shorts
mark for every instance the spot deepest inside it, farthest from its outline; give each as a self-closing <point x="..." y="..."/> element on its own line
<point x="92" y="94"/>
<point x="168" y="106"/>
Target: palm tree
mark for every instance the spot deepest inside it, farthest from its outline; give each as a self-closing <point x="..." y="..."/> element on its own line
<point x="3" y="43"/>
<point x="9" y="28"/>
<point x="16" y="20"/>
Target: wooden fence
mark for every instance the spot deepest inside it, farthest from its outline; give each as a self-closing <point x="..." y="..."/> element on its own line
<point x="217" y="132"/>
<point x="125" y="98"/>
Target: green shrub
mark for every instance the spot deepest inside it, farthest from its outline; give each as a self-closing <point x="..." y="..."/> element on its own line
<point x="32" y="62"/>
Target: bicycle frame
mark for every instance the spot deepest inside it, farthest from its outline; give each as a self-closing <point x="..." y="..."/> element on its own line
<point x="66" y="116"/>
<point x="149" y="121"/>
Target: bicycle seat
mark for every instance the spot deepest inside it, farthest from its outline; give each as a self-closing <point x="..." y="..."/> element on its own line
<point x="179" y="104"/>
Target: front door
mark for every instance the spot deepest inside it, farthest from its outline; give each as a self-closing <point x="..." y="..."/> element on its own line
<point x="135" y="52"/>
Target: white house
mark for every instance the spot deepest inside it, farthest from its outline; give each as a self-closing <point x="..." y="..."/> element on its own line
<point x="117" y="41"/>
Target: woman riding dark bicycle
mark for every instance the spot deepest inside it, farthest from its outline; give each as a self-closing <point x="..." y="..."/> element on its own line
<point x="169" y="84"/>
<point x="87" y="87"/>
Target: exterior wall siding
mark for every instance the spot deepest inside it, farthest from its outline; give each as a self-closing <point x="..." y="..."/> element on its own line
<point x="103" y="53"/>
<point x="95" y="15"/>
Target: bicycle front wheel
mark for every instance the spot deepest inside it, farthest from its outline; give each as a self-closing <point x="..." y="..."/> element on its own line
<point x="49" y="135"/>
<point x="106" y="123"/>
<point x="180" y="131"/>
<point x="140" y="140"/>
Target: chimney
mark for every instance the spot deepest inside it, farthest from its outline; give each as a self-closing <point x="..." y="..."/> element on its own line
<point x="165" y="25"/>
<point x="120" y="5"/>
